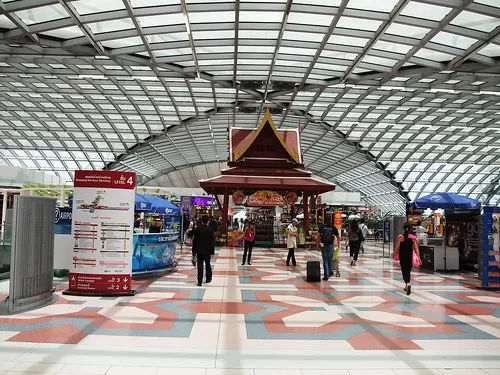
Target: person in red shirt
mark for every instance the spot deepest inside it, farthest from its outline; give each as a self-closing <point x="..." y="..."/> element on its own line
<point x="249" y="238"/>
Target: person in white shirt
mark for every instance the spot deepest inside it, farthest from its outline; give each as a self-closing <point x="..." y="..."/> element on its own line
<point x="291" y="241"/>
<point x="419" y="229"/>
<point x="365" y="231"/>
<point x="421" y="233"/>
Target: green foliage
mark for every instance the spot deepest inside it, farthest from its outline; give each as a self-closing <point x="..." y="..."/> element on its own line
<point x="373" y="220"/>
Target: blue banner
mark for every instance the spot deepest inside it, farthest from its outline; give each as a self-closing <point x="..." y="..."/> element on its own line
<point x="63" y="220"/>
<point x="143" y="206"/>
<point x="387" y="231"/>
<point x="153" y="252"/>
<point x="491" y="248"/>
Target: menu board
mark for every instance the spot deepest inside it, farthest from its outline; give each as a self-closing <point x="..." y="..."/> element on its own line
<point x="491" y="248"/>
<point x="103" y="217"/>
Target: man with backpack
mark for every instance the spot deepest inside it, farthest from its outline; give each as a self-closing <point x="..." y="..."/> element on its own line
<point x="328" y="234"/>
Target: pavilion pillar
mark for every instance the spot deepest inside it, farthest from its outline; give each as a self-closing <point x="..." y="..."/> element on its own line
<point x="225" y="210"/>
<point x="305" y="202"/>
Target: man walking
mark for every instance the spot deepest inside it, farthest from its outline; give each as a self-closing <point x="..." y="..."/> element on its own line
<point x="203" y="248"/>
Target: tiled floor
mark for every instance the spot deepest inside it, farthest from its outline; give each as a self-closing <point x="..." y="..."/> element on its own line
<point x="265" y="319"/>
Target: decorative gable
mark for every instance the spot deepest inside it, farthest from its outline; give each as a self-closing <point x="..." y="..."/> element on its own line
<point x="266" y="142"/>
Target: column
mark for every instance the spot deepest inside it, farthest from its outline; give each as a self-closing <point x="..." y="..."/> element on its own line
<point x="225" y="209"/>
<point x="305" y="199"/>
<point x="4" y="213"/>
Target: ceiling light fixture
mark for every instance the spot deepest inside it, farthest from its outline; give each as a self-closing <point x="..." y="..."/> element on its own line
<point x="92" y="76"/>
<point x="146" y="78"/>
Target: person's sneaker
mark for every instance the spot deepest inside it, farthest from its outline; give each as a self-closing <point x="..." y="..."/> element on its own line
<point x="208" y="281"/>
<point x="249" y="263"/>
<point x="352" y="263"/>
<point x="243" y="263"/>
<point x="288" y="264"/>
<point x="408" y="291"/>
<point x="199" y="284"/>
<point x="338" y="274"/>
<point x="325" y="278"/>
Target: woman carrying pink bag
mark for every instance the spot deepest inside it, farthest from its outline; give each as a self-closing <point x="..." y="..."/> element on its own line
<point x="406" y="251"/>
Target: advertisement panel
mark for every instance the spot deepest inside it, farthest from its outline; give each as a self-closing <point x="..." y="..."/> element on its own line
<point x="491" y="248"/>
<point x="153" y="252"/>
<point x="63" y="240"/>
<point x="337" y="221"/>
<point x="103" y="217"/>
<point x="266" y="198"/>
<point x="186" y="205"/>
<point x="387" y="231"/>
<point x="462" y="231"/>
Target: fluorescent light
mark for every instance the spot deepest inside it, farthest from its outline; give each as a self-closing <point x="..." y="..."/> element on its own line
<point x="489" y="93"/>
<point x="92" y="76"/>
<point x="145" y="78"/>
<point x="448" y="91"/>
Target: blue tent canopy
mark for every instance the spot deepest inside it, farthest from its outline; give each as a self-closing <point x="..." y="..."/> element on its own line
<point x="446" y="201"/>
<point x="161" y="206"/>
<point x="142" y="204"/>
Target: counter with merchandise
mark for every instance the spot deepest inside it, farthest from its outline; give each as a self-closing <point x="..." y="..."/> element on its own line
<point x="154" y="253"/>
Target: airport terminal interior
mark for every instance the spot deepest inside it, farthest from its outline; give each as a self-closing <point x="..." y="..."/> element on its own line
<point x="390" y="100"/>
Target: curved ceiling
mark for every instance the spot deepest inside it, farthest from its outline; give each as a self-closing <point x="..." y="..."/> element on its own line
<point x="395" y="99"/>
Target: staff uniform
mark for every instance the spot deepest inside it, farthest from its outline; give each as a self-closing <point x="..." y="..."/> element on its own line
<point x="249" y="238"/>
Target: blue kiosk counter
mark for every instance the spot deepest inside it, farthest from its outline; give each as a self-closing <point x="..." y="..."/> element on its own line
<point x="154" y="253"/>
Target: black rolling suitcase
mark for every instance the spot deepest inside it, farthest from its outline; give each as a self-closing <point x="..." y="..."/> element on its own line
<point x="313" y="271"/>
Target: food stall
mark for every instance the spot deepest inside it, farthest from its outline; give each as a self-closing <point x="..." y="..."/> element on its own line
<point x="154" y="252"/>
<point x="452" y="239"/>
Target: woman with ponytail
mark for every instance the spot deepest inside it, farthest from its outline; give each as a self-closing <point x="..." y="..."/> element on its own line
<point x="406" y="246"/>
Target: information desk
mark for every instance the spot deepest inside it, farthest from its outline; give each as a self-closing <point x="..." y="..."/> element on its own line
<point x="433" y="258"/>
<point x="154" y="253"/>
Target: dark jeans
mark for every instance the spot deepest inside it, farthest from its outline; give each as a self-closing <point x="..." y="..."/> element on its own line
<point x="291" y="255"/>
<point x="248" y="248"/>
<point x="327" y="253"/>
<point x="354" y="249"/>
<point x="405" y="261"/>
<point x="204" y="259"/>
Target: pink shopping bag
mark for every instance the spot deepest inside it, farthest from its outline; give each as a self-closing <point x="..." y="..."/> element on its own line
<point x="416" y="260"/>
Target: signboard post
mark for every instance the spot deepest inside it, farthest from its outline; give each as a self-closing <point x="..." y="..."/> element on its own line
<point x="103" y="218"/>
<point x="387" y="237"/>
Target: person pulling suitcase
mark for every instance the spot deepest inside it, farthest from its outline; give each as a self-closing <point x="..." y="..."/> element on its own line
<point x="328" y="235"/>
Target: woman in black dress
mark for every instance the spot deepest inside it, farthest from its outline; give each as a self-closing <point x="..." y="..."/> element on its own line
<point x="406" y="244"/>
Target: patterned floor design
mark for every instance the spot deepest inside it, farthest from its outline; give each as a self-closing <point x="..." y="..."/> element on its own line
<point x="265" y="316"/>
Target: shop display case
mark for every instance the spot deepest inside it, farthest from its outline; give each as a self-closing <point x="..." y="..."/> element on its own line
<point x="279" y="234"/>
<point x="264" y="233"/>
